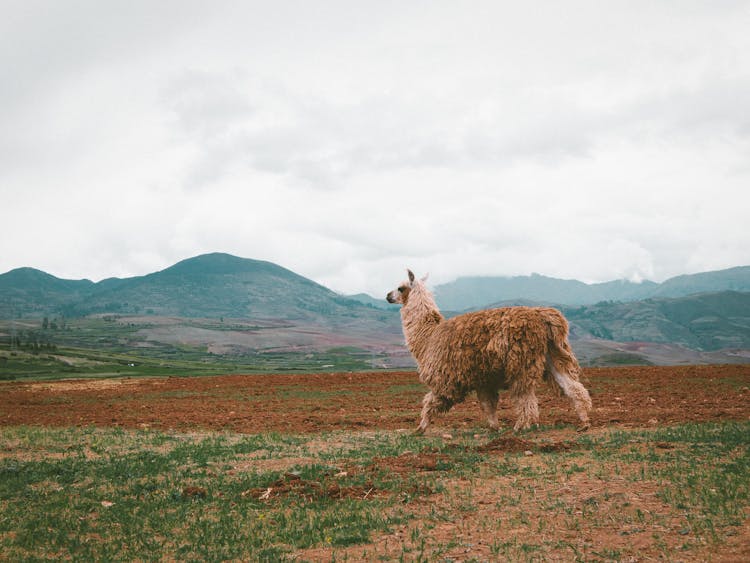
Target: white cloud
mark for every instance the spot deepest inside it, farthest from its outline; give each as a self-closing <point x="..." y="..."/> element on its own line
<point x="348" y="141"/>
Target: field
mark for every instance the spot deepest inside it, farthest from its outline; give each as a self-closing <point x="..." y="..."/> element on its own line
<point x="114" y="345"/>
<point x="324" y="467"/>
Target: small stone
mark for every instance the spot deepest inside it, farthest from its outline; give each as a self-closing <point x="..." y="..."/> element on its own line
<point x="653" y="421"/>
<point x="447" y="436"/>
<point x="528" y="452"/>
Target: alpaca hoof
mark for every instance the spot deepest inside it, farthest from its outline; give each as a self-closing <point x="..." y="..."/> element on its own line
<point x="583" y="427"/>
<point x="419" y="431"/>
<point x="525" y="426"/>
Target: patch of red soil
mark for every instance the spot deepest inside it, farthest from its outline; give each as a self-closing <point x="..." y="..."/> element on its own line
<point x="409" y="463"/>
<point x="630" y="396"/>
<point x="513" y="444"/>
<point x="194" y="492"/>
<point x="293" y="485"/>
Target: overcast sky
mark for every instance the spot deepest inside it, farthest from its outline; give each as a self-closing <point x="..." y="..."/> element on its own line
<point x="349" y="140"/>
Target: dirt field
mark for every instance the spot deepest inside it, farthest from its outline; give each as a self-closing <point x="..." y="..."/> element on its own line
<point x="628" y="396"/>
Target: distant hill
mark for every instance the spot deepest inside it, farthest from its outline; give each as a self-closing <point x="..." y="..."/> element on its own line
<point x="215" y="285"/>
<point x="733" y="279"/>
<point x="707" y="321"/>
<point x="212" y="285"/>
<point x="30" y="292"/>
<point x="476" y="292"/>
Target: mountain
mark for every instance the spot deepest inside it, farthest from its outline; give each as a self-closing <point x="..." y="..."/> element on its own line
<point x="215" y="285"/>
<point x="477" y="292"/>
<point x="472" y="292"/>
<point x="30" y="292"/>
<point x="706" y="321"/>
<point x="733" y="279"/>
<point x="212" y="286"/>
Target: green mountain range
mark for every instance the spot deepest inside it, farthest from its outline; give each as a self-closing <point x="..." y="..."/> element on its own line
<point x="696" y="318"/>
<point x="477" y="292"/>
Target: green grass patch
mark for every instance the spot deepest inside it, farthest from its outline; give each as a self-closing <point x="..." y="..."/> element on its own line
<point x="113" y="494"/>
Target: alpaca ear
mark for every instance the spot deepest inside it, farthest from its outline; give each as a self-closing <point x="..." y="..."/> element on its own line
<point x="424" y="278"/>
<point x="411" y="276"/>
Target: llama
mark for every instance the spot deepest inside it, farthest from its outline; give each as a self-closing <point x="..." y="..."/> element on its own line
<point x="509" y="348"/>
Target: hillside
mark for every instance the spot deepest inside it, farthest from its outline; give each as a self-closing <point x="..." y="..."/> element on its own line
<point x="733" y="279"/>
<point x="709" y="321"/>
<point x="476" y="292"/>
<point x="212" y="286"/>
<point x="29" y="292"/>
<point x="371" y="301"/>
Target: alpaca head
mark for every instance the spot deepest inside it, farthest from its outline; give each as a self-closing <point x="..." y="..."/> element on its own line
<point x="400" y="295"/>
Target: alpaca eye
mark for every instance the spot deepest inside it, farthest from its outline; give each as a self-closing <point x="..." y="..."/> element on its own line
<point x="400" y="289"/>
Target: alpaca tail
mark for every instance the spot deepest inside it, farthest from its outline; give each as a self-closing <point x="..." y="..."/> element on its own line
<point x="560" y="357"/>
<point x="562" y="366"/>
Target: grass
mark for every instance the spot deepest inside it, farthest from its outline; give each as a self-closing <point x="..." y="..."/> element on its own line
<point x="77" y="362"/>
<point x="104" y="494"/>
<point x="707" y="468"/>
<point x="110" y="494"/>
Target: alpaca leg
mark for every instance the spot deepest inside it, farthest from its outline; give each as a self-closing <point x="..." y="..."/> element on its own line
<point x="527" y="410"/>
<point x="527" y="374"/>
<point x="426" y="410"/>
<point x="578" y="394"/>
<point x="432" y="404"/>
<point x="488" y="400"/>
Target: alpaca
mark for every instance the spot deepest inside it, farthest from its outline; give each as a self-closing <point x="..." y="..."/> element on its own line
<point x="509" y="348"/>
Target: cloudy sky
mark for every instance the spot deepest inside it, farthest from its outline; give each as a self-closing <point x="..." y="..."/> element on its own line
<point x="349" y="140"/>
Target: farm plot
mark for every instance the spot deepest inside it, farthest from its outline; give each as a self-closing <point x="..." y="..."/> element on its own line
<point x="324" y="467"/>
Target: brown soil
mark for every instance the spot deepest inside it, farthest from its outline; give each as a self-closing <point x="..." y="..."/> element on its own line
<point x="306" y="490"/>
<point x="514" y="444"/>
<point x="626" y="396"/>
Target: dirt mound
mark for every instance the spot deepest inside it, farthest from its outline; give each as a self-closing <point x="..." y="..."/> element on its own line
<point x="513" y="444"/>
<point x="192" y="492"/>
<point x="409" y="462"/>
<point x="291" y="484"/>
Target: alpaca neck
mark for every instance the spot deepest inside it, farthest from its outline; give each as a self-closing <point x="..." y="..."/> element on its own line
<point x="420" y="317"/>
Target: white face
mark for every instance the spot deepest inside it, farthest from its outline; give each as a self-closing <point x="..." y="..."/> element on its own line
<point x="400" y="294"/>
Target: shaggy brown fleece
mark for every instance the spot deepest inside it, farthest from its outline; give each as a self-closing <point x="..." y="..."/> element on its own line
<point x="513" y="348"/>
